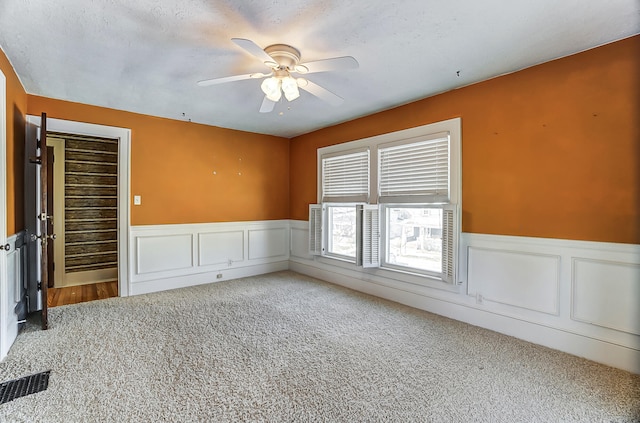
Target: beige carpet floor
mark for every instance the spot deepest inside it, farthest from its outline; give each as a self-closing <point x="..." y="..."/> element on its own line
<point x="288" y="348"/>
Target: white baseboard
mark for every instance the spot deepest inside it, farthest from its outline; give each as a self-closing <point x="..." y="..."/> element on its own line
<point x="204" y="278"/>
<point x="88" y="277"/>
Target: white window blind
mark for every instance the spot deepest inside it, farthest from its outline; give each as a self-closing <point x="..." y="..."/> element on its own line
<point x="345" y="177"/>
<point x="416" y="171"/>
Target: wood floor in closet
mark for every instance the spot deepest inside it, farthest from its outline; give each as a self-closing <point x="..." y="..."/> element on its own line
<point x="81" y="293"/>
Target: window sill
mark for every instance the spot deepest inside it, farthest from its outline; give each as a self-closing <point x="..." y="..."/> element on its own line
<point x="390" y="274"/>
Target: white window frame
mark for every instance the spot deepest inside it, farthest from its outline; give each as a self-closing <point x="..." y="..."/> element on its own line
<point x="327" y="232"/>
<point x="384" y="240"/>
<point x="448" y="236"/>
<point x="374" y="209"/>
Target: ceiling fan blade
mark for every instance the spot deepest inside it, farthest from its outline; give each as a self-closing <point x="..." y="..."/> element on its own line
<point x="253" y="49"/>
<point x="225" y="79"/>
<point x="322" y="93"/>
<point x="267" y="105"/>
<point x="335" y="64"/>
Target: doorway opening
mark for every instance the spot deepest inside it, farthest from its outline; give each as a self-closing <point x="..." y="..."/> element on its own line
<point x="83" y="195"/>
<point x="90" y="190"/>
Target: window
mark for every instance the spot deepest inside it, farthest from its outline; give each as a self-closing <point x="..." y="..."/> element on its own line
<point x="414" y="238"/>
<point x="341" y="227"/>
<point x="391" y="201"/>
<point x="344" y="184"/>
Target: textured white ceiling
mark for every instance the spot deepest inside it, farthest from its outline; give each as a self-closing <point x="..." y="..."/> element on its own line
<point x="146" y="56"/>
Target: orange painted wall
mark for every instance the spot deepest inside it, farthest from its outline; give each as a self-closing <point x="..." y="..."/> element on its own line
<point x="16" y="110"/>
<point x="172" y="165"/>
<point x="552" y="151"/>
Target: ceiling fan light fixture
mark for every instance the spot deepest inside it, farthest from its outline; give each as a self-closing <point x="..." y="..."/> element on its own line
<point x="284" y="60"/>
<point x="290" y="88"/>
<point x="271" y="88"/>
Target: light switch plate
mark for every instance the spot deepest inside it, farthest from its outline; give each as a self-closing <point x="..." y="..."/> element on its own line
<point x="137" y="200"/>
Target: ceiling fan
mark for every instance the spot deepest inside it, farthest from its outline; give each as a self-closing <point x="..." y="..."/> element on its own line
<point x="284" y="60"/>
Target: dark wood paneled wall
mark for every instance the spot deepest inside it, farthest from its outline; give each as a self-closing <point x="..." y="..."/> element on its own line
<point x="91" y="203"/>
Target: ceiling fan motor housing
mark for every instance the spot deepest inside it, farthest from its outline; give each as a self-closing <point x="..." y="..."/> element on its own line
<point x="285" y="56"/>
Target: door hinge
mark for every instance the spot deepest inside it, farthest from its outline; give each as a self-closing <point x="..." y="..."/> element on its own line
<point x="39" y="286"/>
<point x="38" y="143"/>
<point x="53" y="266"/>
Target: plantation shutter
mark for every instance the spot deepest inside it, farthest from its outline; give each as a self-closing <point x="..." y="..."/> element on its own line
<point x="415" y="171"/>
<point x="370" y="236"/>
<point x="315" y="229"/>
<point x="449" y="244"/>
<point x="345" y="177"/>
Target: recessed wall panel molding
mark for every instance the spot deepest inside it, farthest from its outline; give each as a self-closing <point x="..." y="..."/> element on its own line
<point x="519" y="279"/>
<point x="15" y="262"/>
<point x="300" y="239"/>
<point x="268" y="243"/>
<point x="205" y="252"/>
<point x="164" y="252"/>
<point x="14" y="272"/>
<point x="607" y="294"/>
<point x="220" y="248"/>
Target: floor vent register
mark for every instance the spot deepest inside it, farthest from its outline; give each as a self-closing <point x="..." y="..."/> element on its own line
<point x="24" y="386"/>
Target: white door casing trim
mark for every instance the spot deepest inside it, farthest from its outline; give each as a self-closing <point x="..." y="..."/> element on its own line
<point x="5" y="342"/>
<point x="124" y="182"/>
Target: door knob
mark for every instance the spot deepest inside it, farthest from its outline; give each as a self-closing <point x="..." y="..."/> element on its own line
<point x="5" y="247"/>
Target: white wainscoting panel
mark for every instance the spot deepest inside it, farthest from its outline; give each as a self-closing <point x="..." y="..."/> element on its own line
<point x="15" y="280"/>
<point x="217" y="248"/>
<point x="607" y="294"/>
<point x="300" y="242"/>
<point x="15" y="272"/>
<point x="162" y="253"/>
<point x="518" y="279"/>
<point x="268" y="243"/>
<point x="580" y="297"/>
<point x="173" y="256"/>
